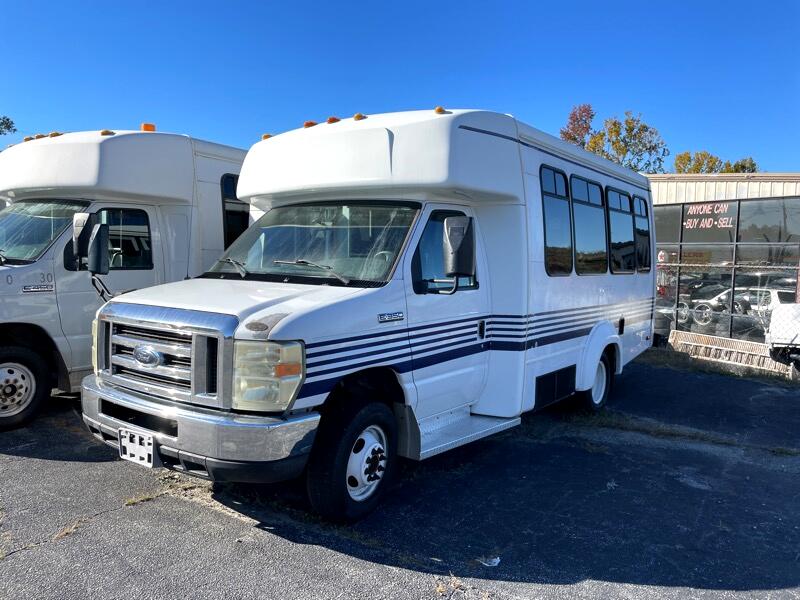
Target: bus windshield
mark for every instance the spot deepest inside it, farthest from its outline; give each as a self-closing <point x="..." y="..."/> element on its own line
<point x="28" y="227"/>
<point x="332" y="243"/>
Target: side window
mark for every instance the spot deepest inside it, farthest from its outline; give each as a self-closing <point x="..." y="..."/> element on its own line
<point x="129" y="245"/>
<point x="557" y="222"/>
<point x="642" y="234"/>
<point x="589" y="218"/>
<point x="620" y="229"/>
<point x="427" y="263"/>
<point x="235" y="213"/>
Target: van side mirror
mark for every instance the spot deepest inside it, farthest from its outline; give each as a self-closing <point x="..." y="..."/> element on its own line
<point x="459" y="247"/>
<point x="458" y="251"/>
<point x="97" y="253"/>
<point x="81" y="231"/>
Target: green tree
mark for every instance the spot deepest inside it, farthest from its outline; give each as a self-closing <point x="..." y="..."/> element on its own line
<point x="705" y="162"/>
<point x="6" y="125"/>
<point x="629" y="142"/>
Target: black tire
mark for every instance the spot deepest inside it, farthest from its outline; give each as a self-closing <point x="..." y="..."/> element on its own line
<point x="327" y="473"/>
<point x="588" y="397"/>
<point x="10" y="355"/>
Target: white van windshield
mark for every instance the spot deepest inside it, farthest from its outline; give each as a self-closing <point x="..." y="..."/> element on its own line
<point x="28" y="227"/>
<point x="333" y="243"/>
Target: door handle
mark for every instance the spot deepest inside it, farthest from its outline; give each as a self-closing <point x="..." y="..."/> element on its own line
<point x="481" y="329"/>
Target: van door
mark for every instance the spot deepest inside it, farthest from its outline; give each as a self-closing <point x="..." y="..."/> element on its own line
<point x="446" y="331"/>
<point x="135" y="262"/>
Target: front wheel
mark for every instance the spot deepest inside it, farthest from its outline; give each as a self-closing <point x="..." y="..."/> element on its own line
<point x="595" y="398"/>
<point x="352" y="461"/>
<point x="24" y="386"/>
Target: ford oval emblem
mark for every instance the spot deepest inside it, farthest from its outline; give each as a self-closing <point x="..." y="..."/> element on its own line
<point x="147" y="356"/>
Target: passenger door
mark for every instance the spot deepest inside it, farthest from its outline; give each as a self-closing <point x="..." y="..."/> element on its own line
<point x="446" y="331"/>
<point x="135" y="260"/>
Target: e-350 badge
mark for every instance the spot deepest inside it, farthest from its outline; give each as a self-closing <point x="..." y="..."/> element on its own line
<point x="393" y="316"/>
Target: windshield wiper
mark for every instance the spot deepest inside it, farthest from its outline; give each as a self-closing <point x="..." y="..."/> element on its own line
<point x="308" y="263"/>
<point x="240" y="266"/>
<point x="3" y="258"/>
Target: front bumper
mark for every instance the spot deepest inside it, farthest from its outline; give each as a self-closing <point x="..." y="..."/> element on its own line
<point x="206" y="443"/>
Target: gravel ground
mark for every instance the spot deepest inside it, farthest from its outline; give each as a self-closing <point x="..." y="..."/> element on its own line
<point x="686" y="487"/>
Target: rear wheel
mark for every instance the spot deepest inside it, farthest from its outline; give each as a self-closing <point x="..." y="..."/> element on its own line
<point x="595" y="397"/>
<point x="24" y="385"/>
<point x="352" y="461"/>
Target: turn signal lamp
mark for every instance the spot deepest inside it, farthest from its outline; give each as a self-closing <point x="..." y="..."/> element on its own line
<point x="266" y="136"/>
<point x="439" y="110"/>
<point x="332" y="120"/>
<point x="107" y="132"/>
<point x="308" y="124"/>
<point x="148" y="127"/>
<point x="359" y="117"/>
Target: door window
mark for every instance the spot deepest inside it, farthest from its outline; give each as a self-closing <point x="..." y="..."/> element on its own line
<point x="428" y="261"/>
<point x="129" y="245"/>
<point x="236" y="214"/>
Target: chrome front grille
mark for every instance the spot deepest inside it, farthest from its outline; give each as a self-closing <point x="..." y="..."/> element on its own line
<point x="169" y="353"/>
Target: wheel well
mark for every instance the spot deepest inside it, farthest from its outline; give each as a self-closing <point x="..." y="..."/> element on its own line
<point x="379" y="384"/>
<point x="35" y="338"/>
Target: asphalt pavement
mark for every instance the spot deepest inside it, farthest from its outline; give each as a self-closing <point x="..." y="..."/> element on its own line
<point x="687" y="486"/>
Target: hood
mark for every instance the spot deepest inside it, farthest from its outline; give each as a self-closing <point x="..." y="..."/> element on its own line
<point x="237" y="298"/>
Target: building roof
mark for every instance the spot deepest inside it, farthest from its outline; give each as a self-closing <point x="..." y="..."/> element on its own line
<point x="677" y="188"/>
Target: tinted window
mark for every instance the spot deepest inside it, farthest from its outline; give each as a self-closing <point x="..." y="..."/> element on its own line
<point x="770" y="221"/>
<point x="557" y="225"/>
<point x="621" y="230"/>
<point x="768" y="254"/>
<point x="642" y="234"/>
<point x="668" y="223"/>
<point x="428" y="261"/>
<point x="236" y="214"/>
<point x="128" y="238"/>
<point x="708" y="222"/>
<point x="591" y="251"/>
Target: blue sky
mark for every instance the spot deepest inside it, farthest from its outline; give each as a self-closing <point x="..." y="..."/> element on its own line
<point x="720" y="76"/>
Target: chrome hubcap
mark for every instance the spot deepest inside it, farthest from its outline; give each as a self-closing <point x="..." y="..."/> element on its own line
<point x="17" y="388"/>
<point x="599" y="386"/>
<point x="367" y="463"/>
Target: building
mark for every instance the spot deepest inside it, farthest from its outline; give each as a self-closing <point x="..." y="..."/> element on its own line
<point x="728" y="251"/>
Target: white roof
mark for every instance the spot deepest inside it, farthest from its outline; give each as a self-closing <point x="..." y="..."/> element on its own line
<point x="126" y="164"/>
<point x="471" y="152"/>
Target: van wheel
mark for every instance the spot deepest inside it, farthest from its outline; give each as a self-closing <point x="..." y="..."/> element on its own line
<point x="353" y="460"/>
<point x="595" y="397"/>
<point x="23" y="386"/>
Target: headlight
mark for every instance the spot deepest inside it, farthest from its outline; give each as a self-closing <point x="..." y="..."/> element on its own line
<point x="266" y="375"/>
<point x="94" y="346"/>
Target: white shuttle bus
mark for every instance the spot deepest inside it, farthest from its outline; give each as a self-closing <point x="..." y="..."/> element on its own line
<point x="168" y="204"/>
<point x="418" y="281"/>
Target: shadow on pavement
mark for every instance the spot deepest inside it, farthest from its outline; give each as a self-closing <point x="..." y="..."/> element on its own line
<point x="57" y="434"/>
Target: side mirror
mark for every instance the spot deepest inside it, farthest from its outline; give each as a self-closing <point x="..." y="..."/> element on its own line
<point x="458" y="245"/>
<point x="80" y="236"/>
<point x="97" y="253"/>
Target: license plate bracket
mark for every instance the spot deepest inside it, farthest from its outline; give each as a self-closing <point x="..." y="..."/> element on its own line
<point x="137" y="447"/>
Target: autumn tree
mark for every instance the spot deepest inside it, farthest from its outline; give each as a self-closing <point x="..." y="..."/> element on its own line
<point x="6" y="125"/>
<point x="629" y="142"/>
<point x="705" y="162"/>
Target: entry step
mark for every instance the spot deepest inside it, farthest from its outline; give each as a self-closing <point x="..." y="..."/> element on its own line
<point x="442" y="433"/>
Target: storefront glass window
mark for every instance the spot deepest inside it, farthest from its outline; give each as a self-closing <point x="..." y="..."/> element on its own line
<point x="770" y="221"/>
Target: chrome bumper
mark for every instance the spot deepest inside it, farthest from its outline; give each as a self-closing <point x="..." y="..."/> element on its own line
<point x="196" y="436"/>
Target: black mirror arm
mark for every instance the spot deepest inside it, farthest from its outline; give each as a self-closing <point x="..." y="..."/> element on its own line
<point x="101" y="288"/>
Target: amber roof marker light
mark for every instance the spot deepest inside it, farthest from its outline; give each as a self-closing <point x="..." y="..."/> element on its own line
<point x="107" y="132"/>
<point x="266" y="136"/>
<point x="308" y="124"/>
<point x="440" y="110"/>
<point x="359" y="117"/>
<point x="150" y="127"/>
<point x="332" y="120"/>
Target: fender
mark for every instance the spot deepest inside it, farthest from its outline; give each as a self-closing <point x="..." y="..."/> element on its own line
<point x="603" y="335"/>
